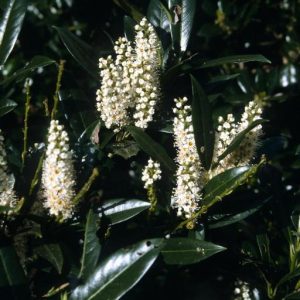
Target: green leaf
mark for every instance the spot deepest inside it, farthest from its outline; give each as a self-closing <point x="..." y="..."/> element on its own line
<point x="239" y="138"/>
<point x="194" y="63"/>
<point x="204" y="132"/>
<point x="288" y="277"/>
<point x="129" y="30"/>
<point x="184" y="251"/>
<point x="222" y="78"/>
<point x="7" y="106"/>
<point x="12" y="277"/>
<point x="187" y="18"/>
<point x="10" y="26"/>
<point x="83" y="53"/>
<point x="225" y="183"/>
<point x="120" y="210"/>
<point x="91" y="132"/>
<point x="130" y="9"/>
<point x="36" y="62"/>
<point x="182" y="24"/>
<point x="263" y="243"/>
<point x="231" y="219"/>
<point x="152" y="148"/>
<point x="53" y="254"/>
<point x="234" y="59"/>
<point x="125" y="149"/>
<point x="158" y="15"/>
<point x="119" y="272"/>
<point x="91" y="246"/>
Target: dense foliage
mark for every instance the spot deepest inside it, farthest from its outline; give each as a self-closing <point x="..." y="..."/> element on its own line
<point x="195" y="198"/>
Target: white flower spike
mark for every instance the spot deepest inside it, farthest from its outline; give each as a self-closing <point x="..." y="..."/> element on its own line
<point x="7" y="194"/>
<point x="58" y="178"/>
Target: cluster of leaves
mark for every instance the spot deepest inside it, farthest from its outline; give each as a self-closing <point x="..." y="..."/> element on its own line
<point x="86" y="259"/>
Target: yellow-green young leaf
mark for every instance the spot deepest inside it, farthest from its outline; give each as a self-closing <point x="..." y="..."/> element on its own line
<point x="119" y="272"/>
<point x="263" y="244"/>
<point x="11" y="20"/>
<point x="120" y="210"/>
<point x="184" y="251"/>
<point x="204" y="132"/>
<point x="83" y="53"/>
<point x="289" y="277"/>
<point x="36" y="62"/>
<point x="152" y="148"/>
<point x="7" y="106"/>
<point x="91" y="246"/>
<point x="53" y="254"/>
<point x="225" y="183"/>
<point x="12" y="278"/>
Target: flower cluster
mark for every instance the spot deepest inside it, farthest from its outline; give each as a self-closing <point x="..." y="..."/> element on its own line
<point x="58" y="176"/>
<point x="151" y="173"/>
<point x="242" y="291"/>
<point x="228" y="129"/>
<point x="130" y="83"/>
<point x="145" y="77"/>
<point x="7" y="193"/>
<point x="114" y="97"/>
<point x="187" y="193"/>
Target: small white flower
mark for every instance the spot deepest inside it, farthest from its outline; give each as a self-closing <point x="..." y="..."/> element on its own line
<point x="58" y="177"/>
<point x="151" y="173"/>
<point x="7" y="194"/>
<point x="228" y="129"/>
<point x="187" y="193"/>
<point x="130" y="83"/>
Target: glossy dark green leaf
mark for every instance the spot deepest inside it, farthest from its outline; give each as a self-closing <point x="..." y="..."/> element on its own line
<point x="203" y="124"/>
<point x="106" y="138"/>
<point x="10" y="26"/>
<point x="36" y="62"/>
<point x="12" y="277"/>
<point x="90" y="132"/>
<point x="53" y="254"/>
<point x="234" y="59"/>
<point x="125" y="149"/>
<point x="288" y="277"/>
<point x="119" y="272"/>
<point x="130" y="9"/>
<point x="183" y="17"/>
<point x="239" y="138"/>
<point x="263" y="243"/>
<point x="222" y="78"/>
<point x="197" y="234"/>
<point x="187" y="18"/>
<point x="129" y="30"/>
<point x="120" y="210"/>
<point x="158" y="15"/>
<point x="83" y="53"/>
<point x="231" y="219"/>
<point x="152" y="148"/>
<point x="194" y="63"/>
<point x="184" y="251"/>
<point x="225" y="183"/>
<point x="91" y="246"/>
<point x="7" y="106"/>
